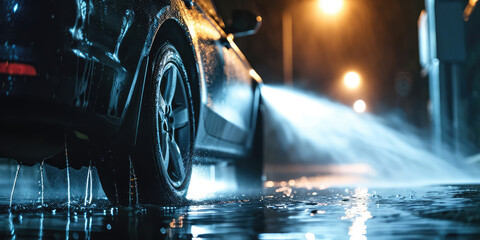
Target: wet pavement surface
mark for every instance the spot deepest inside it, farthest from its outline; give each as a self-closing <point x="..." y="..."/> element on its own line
<point x="282" y="211"/>
<point x="318" y="170"/>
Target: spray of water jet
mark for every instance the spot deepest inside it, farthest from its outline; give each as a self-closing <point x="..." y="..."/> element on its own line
<point x="68" y="171"/>
<point x="89" y="186"/>
<point x="14" y="183"/>
<point x="42" y="181"/>
<point x="303" y="128"/>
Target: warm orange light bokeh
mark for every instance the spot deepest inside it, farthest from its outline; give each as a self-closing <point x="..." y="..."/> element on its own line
<point x="352" y="80"/>
<point x="331" y="6"/>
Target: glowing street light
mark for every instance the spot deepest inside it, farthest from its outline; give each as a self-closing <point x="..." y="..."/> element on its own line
<point x="352" y="80"/>
<point x="359" y="106"/>
<point x="331" y="6"/>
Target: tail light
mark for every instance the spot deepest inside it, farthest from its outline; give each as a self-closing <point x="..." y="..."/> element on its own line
<point x="21" y="69"/>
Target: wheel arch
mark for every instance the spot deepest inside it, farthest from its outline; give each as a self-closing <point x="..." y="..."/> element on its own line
<point x="172" y="31"/>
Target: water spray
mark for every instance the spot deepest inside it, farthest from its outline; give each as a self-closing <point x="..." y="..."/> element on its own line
<point x="302" y="128"/>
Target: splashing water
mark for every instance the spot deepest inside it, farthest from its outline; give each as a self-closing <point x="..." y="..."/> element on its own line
<point x="68" y="171"/>
<point x="88" y="225"/>
<point x="133" y="184"/>
<point x="315" y="130"/>
<point x="116" y="192"/>
<point x="40" y="228"/>
<point x="15" y="183"/>
<point x="89" y="186"/>
<point x="41" y="182"/>
<point x="67" y="227"/>
<point x="11" y="226"/>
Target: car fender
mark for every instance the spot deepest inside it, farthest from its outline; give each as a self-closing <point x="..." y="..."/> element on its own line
<point x="170" y="14"/>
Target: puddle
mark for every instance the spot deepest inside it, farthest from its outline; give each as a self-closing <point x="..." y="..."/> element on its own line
<point x="288" y="212"/>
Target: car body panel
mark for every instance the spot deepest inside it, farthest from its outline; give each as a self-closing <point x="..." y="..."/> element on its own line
<point x="228" y="100"/>
<point x="92" y="59"/>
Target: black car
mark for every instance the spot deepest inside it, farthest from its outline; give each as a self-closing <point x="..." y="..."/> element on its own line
<point x="135" y="86"/>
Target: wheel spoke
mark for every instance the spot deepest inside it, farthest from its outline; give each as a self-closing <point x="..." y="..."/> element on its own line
<point x="162" y="105"/>
<point x="180" y="116"/>
<point x="172" y="113"/>
<point x="160" y="97"/>
<point x="171" y="85"/>
<point x="166" y="152"/>
<point x="161" y="117"/>
<point x="176" y="160"/>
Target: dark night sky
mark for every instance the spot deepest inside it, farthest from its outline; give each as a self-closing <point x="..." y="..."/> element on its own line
<point x="377" y="38"/>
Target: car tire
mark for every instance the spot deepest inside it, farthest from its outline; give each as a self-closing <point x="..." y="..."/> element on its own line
<point x="159" y="169"/>
<point x="249" y="170"/>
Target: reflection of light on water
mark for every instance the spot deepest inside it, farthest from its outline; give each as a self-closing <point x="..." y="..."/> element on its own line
<point x="210" y="179"/>
<point x="40" y="229"/>
<point x="359" y="214"/>
<point x="321" y="175"/>
<point x="310" y="236"/>
<point x="285" y="190"/>
<point x="284" y="236"/>
<point x="177" y="223"/>
<point x="203" y="183"/>
<point x="67" y="227"/>
<point x="327" y="176"/>
<point x="11" y="226"/>
<point x="198" y="231"/>
<point x="317" y="182"/>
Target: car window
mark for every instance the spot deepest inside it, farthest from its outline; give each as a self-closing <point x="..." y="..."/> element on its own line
<point x="209" y="8"/>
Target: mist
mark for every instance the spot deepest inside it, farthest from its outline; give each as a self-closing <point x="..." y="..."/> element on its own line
<point x="303" y="128"/>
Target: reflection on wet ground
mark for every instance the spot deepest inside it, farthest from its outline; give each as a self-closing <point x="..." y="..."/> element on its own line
<point x="285" y="210"/>
<point x="302" y="198"/>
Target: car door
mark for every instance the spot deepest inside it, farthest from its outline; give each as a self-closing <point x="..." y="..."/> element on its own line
<point x="228" y="82"/>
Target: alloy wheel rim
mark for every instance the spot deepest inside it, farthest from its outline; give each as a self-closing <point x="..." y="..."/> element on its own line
<point x="172" y="121"/>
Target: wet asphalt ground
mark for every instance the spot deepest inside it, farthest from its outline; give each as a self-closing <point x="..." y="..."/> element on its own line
<point x="284" y="210"/>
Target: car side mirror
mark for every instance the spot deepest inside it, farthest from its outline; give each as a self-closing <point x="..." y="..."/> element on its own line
<point x="243" y="23"/>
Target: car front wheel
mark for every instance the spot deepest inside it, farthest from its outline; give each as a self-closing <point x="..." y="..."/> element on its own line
<point x="159" y="169"/>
